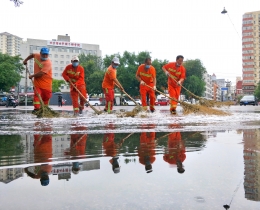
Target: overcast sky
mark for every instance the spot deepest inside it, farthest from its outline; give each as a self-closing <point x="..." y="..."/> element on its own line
<point x="166" y="28"/>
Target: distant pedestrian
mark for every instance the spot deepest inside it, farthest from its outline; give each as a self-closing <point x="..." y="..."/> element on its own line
<point x="60" y="100"/>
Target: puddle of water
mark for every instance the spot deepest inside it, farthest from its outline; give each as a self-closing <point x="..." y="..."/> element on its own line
<point x="129" y="170"/>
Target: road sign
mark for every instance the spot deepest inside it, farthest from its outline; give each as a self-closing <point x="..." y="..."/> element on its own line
<point x="224" y="88"/>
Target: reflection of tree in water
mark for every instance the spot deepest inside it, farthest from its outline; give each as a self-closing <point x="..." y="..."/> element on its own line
<point x="11" y="145"/>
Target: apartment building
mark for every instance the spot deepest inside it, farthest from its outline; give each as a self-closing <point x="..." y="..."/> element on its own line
<point x="250" y="51"/>
<point x="61" y="51"/>
<point x="10" y="44"/>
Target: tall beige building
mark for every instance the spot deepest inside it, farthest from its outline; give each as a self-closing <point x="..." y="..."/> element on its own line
<point x="250" y="52"/>
<point x="61" y="51"/>
<point x="10" y="44"/>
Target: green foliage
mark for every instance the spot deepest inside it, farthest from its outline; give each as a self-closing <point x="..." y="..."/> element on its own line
<point x="257" y="91"/>
<point x="94" y="72"/>
<point x="10" y="145"/>
<point x="56" y="85"/>
<point x="194" y="77"/>
<point x="10" y="70"/>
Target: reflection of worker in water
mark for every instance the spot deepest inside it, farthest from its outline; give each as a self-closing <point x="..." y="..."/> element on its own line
<point x="175" y="153"/>
<point x="40" y="172"/>
<point x="146" y="151"/>
<point x="110" y="149"/>
<point x="42" y="154"/>
<point x="77" y="148"/>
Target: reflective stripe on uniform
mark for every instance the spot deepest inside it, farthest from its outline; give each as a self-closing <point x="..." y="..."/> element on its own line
<point x="146" y="75"/>
<point x="38" y="63"/>
<point x="76" y="109"/>
<point x="109" y="107"/>
<point x="36" y="102"/>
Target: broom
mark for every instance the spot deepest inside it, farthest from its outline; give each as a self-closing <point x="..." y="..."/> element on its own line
<point x="44" y="110"/>
<point x="92" y="107"/>
<point x="203" y="101"/>
<point x="137" y="108"/>
<point x="193" y="108"/>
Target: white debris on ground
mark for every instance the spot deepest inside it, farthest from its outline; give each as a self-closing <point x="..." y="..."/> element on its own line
<point x="160" y="121"/>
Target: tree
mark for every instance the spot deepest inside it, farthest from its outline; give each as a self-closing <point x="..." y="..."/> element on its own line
<point x="257" y="91"/>
<point x="194" y="77"/>
<point x="10" y="70"/>
<point x="94" y="72"/>
<point x="56" y="85"/>
<point x="11" y="145"/>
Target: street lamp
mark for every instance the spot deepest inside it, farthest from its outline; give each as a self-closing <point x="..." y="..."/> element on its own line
<point x="224" y="11"/>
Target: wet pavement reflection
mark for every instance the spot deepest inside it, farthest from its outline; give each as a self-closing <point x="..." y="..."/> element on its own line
<point x="137" y="170"/>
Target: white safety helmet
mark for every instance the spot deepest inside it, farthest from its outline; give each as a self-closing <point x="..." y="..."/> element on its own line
<point x="116" y="60"/>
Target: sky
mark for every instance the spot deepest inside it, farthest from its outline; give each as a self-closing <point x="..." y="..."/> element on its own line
<point x="166" y="28"/>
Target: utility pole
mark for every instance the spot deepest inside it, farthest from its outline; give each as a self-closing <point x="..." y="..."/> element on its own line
<point x="25" y="86"/>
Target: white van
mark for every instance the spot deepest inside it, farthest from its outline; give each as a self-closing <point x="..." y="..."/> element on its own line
<point x="93" y="102"/>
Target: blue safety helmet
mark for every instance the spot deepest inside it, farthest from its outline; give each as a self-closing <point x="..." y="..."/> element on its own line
<point x="45" y="182"/>
<point x="45" y="50"/>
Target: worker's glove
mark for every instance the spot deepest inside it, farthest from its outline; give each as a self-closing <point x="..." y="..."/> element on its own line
<point x="24" y="63"/>
<point x="154" y="87"/>
<point x="142" y="82"/>
<point x="179" y="83"/>
<point x="167" y="73"/>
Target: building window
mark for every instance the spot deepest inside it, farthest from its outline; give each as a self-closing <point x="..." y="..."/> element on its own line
<point x="55" y="56"/>
<point x="56" y="68"/>
<point x="67" y="62"/>
<point x="67" y="56"/>
<point x="55" y="74"/>
<point x="62" y="62"/>
<point x="50" y="55"/>
<point x="62" y="56"/>
<point x="61" y="68"/>
<point x="55" y="62"/>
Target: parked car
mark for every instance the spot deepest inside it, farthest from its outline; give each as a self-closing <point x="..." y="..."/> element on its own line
<point x="162" y="102"/>
<point x="93" y="102"/>
<point x="131" y="103"/>
<point x="248" y="100"/>
<point x="2" y="103"/>
<point x="29" y="101"/>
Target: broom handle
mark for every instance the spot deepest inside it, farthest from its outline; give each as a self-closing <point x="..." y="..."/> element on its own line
<point x="129" y="96"/>
<point x="195" y="96"/>
<point x="174" y="99"/>
<point x="34" y="86"/>
<point x="97" y="112"/>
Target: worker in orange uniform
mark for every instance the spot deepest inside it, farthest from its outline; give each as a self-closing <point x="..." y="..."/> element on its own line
<point x="146" y="151"/>
<point x="108" y="84"/>
<point x="176" y="74"/>
<point x="77" y="148"/>
<point x="111" y="148"/>
<point x="42" y="77"/>
<point x="175" y="152"/>
<point x="42" y="153"/>
<point x="75" y="73"/>
<point x="146" y="75"/>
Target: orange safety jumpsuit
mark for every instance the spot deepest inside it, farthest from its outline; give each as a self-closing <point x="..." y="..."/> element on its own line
<point x="108" y="85"/>
<point x="146" y="150"/>
<point x="109" y="145"/>
<point x="176" y="149"/>
<point x="176" y="73"/>
<point x="43" y="84"/>
<point x="148" y="76"/>
<point x="77" y="143"/>
<point x="77" y="77"/>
